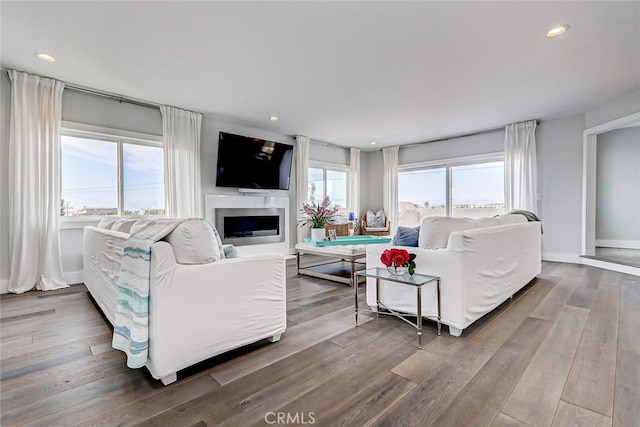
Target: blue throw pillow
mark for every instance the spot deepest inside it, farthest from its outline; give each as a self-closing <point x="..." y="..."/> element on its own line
<point x="407" y="236"/>
<point x="230" y="251"/>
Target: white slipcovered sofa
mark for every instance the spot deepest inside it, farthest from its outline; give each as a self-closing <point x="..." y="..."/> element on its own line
<point x="198" y="308"/>
<point x="481" y="263"/>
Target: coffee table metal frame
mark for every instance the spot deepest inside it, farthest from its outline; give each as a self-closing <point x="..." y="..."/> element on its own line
<point x="416" y="280"/>
<point x="327" y="252"/>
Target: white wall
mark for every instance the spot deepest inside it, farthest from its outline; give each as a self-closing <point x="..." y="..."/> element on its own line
<point x="366" y="199"/>
<point x="559" y="149"/>
<point x="5" y="109"/>
<point x="490" y="142"/>
<point x="615" y="109"/>
<point x="322" y="152"/>
<point x="617" y="188"/>
<point x="371" y="166"/>
<point x="100" y="111"/>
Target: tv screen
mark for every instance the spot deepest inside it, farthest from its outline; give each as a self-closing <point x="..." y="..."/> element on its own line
<point x="246" y="162"/>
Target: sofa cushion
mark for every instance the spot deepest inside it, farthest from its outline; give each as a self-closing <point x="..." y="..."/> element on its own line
<point x="123" y="225"/>
<point x="195" y="242"/>
<point x="108" y="222"/>
<point x="435" y="230"/>
<point x="407" y="236"/>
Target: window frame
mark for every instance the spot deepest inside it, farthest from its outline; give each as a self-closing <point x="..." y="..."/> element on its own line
<point x="118" y="137"/>
<point x="333" y="167"/>
<point x="448" y="164"/>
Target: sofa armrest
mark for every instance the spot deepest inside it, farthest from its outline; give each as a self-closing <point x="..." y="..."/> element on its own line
<point x="197" y="311"/>
<point x="496" y="263"/>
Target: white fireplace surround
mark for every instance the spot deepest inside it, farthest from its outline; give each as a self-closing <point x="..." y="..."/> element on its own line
<point x="215" y="201"/>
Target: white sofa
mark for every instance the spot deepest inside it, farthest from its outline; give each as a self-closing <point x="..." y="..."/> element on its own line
<point x="481" y="264"/>
<point x="197" y="309"/>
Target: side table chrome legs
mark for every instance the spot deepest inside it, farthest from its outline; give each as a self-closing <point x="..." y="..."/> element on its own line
<point x="419" y="319"/>
<point x="417" y="280"/>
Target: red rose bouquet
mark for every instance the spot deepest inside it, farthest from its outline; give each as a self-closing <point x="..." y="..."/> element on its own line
<point x="394" y="258"/>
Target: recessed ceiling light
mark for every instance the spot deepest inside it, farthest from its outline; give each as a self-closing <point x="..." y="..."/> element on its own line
<point x="556" y="31"/>
<point x="373" y="143"/>
<point x="273" y="118"/>
<point x="45" y="57"/>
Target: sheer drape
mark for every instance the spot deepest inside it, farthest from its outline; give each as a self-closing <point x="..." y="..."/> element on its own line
<point x="181" y="132"/>
<point x="520" y="174"/>
<point x="390" y="185"/>
<point x="302" y="180"/>
<point x="34" y="183"/>
<point x="354" y="181"/>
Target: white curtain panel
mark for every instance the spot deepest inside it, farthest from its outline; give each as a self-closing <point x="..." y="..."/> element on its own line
<point x="354" y="181"/>
<point x="520" y="174"/>
<point x="390" y="185"/>
<point x="302" y="180"/>
<point x="182" y="182"/>
<point x="34" y="183"/>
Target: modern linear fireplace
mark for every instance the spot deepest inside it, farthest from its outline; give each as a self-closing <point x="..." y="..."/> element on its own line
<point x="250" y="226"/>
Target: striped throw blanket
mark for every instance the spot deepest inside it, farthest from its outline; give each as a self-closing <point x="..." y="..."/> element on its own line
<point x="131" y="327"/>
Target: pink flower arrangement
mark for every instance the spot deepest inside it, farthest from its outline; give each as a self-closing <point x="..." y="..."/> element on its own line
<point x="318" y="215"/>
<point x="395" y="258"/>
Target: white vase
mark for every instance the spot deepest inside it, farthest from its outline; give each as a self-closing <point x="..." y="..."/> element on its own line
<point x="317" y="234"/>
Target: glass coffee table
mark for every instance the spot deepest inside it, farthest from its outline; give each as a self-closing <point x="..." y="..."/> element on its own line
<point x="416" y="280"/>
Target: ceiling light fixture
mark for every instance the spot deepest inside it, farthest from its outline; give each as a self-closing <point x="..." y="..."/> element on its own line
<point x="45" y="57"/>
<point x="273" y="118"/>
<point x="373" y="143"/>
<point x="556" y="31"/>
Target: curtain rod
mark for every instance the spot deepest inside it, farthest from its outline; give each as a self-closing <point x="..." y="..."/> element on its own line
<point x="326" y="144"/>
<point x="104" y="94"/>
<point x="462" y="135"/>
<point x="97" y="92"/>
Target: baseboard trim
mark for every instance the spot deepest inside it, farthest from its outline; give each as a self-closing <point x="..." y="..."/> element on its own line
<point x="74" y="277"/>
<point x="561" y="257"/>
<point x="626" y="269"/>
<point x="622" y="244"/>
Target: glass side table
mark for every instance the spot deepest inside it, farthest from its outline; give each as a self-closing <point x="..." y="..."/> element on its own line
<point x="416" y="280"/>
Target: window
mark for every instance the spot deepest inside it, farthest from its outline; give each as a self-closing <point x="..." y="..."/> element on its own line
<point x="421" y="193"/>
<point x="460" y="189"/>
<point x="143" y="187"/>
<point x="105" y="175"/>
<point x="329" y="181"/>
<point x="477" y="190"/>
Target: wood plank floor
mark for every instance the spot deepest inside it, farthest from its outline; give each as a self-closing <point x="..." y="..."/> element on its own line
<point x="565" y="351"/>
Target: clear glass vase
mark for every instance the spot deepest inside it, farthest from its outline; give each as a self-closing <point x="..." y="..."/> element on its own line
<point x="397" y="271"/>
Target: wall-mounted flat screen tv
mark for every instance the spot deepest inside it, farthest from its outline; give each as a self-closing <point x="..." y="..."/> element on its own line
<point x="245" y="162"/>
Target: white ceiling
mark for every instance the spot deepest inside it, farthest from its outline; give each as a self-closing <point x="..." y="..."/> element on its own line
<point x="340" y="72"/>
